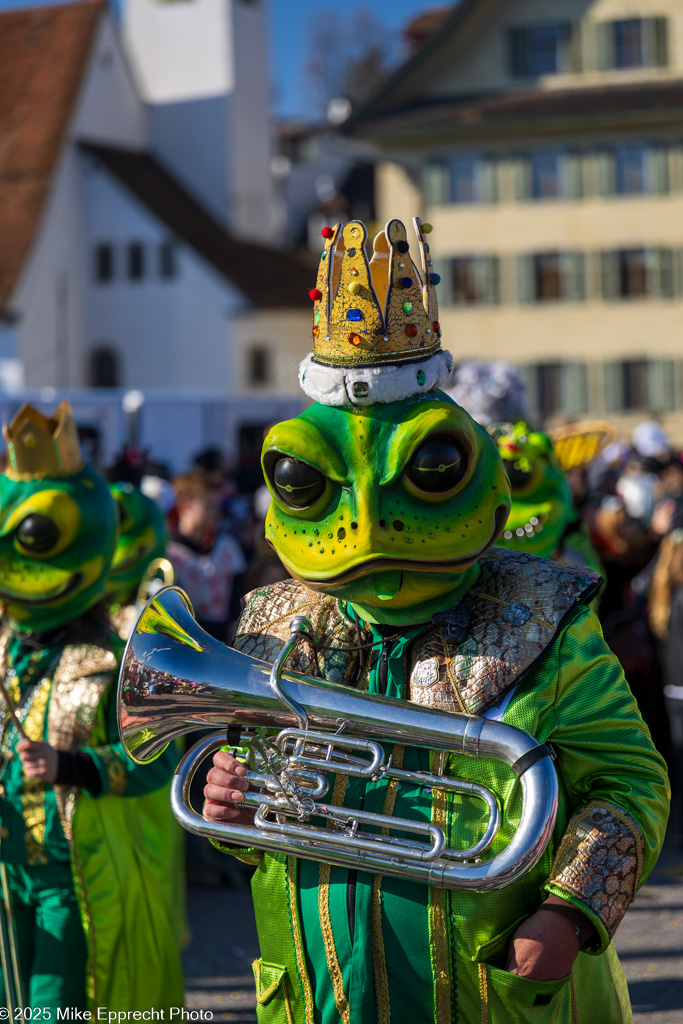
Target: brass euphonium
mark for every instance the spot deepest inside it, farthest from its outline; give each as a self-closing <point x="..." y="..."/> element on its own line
<point x="175" y="678"/>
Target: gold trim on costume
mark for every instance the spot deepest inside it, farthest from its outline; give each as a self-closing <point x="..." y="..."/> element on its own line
<point x="484" y="993"/>
<point x="116" y="770"/>
<point x="379" y="960"/>
<point x="333" y="966"/>
<point x="600" y="860"/>
<point x="88" y="930"/>
<point x="572" y="990"/>
<point x="298" y="940"/>
<point x="33" y="790"/>
<point x="437" y="921"/>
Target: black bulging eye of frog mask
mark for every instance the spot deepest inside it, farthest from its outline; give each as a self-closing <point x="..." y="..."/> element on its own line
<point x="519" y="478"/>
<point x="297" y="484"/>
<point x="37" y="533"/>
<point x="437" y="465"/>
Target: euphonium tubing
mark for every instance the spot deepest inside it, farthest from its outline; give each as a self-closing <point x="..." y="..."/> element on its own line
<point x="175" y="678"/>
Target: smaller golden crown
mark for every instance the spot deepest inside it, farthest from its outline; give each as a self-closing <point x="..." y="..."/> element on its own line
<point x="39" y="446"/>
<point x="381" y="312"/>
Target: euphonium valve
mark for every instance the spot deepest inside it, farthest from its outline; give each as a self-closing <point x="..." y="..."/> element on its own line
<point x="299" y="731"/>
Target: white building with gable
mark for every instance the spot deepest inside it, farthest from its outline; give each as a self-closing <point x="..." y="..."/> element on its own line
<point x="136" y="203"/>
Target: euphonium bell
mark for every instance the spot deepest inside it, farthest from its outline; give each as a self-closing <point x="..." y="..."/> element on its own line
<point x="175" y="678"/>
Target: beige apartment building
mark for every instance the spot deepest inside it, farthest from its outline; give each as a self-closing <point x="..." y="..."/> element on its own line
<point x="544" y="142"/>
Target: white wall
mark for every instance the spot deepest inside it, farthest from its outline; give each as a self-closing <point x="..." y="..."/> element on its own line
<point x="249" y="143"/>
<point x="50" y="297"/>
<point x="49" y="300"/>
<point x="202" y="69"/>
<point x="178" y="51"/>
<point x="109" y="110"/>
<point x="166" y="332"/>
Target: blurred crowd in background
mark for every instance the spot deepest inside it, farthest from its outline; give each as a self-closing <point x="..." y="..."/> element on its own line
<point x="630" y="499"/>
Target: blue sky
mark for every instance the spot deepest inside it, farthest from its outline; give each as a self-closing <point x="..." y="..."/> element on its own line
<point x="291" y="23"/>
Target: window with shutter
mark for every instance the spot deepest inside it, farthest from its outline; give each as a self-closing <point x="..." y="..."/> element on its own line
<point x="550" y="391"/>
<point x="442" y="267"/>
<point x="488" y="171"/>
<point x="523" y="177"/>
<point x="609" y="266"/>
<point x="573" y="276"/>
<point x="666" y="282"/>
<point x="661" y="42"/>
<point x="547" y="174"/>
<point x="573" y="175"/>
<point x="659" y="169"/>
<point x="661" y="385"/>
<point x="574" y="382"/>
<point x="548" y="283"/>
<point x="630" y="43"/>
<point x="634" y="376"/>
<point x="464" y="180"/>
<point x="635" y="273"/>
<point x="604" y="45"/>
<point x="525" y="279"/>
<point x="474" y="280"/>
<point x="604" y="159"/>
<point x="543" y="49"/>
<point x="435" y="183"/>
<point x="614" y="391"/>
<point x="632" y="164"/>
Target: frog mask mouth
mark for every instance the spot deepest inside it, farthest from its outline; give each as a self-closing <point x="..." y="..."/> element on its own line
<point x="384" y="564"/>
<point x="542" y="504"/>
<point x="58" y="593"/>
<point x="384" y="501"/>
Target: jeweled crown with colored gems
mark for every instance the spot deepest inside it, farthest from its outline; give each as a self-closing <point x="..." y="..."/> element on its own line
<point x="39" y="446"/>
<point x="381" y="312"/>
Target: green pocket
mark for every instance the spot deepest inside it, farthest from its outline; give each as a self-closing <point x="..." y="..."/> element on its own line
<point x="495" y="951"/>
<point x="272" y="996"/>
<point x="524" y="1000"/>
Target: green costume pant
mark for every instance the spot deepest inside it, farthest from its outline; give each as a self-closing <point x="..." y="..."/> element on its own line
<point x="50" y="939"/>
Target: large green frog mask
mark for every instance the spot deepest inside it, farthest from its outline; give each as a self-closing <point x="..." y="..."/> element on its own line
<point x="542" y="503"/>
<point x="142" y="538"/>
<point x="57" y="524"/>
<point x="387" y="507"/>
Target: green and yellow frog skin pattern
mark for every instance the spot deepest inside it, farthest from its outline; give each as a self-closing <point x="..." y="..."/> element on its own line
<point x="542" y="503"/>
<point x="57" y="537"/>
<point x="388" y="507"/>
<point x="142" y="538"/>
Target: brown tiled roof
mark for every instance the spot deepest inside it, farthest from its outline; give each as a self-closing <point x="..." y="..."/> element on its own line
<point x="268" y="278"/>
<point x="423" y="26"/>
<point x="606" y="106"/>
<point x="43" y="53"/>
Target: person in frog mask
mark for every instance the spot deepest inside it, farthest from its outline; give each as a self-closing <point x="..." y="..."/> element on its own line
<point x="387" y="499"/>
<point x="78" y="856"/>
<point x="543" y="518"/>
<point x="141" y="541"/>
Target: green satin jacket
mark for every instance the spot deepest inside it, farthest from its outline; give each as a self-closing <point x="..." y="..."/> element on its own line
<point x="524" y="646"/>
<point x="117" y="842"/>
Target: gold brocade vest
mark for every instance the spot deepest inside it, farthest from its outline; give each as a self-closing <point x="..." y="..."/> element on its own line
<point x="466" y="659"/>
<point x="83" y="673"/>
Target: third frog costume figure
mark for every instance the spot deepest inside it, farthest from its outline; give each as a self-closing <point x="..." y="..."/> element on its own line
<point x="88" y="898"/>
<point x="387" y="499"/>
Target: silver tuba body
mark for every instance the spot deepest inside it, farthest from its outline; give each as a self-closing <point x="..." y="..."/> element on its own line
<point x="299" y="731"/>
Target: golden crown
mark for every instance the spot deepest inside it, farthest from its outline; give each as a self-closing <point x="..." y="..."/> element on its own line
<point x="40" y="446"/>
<point x="381" y="312"/>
